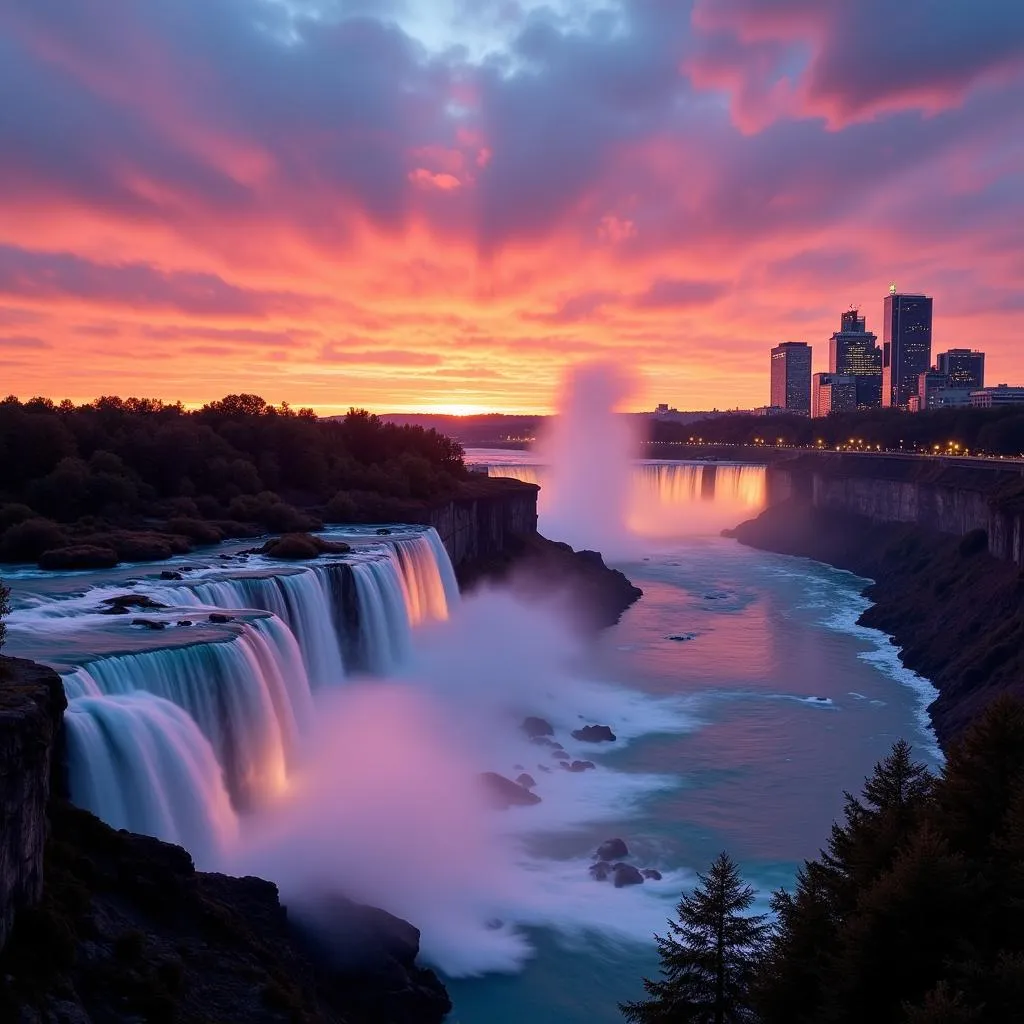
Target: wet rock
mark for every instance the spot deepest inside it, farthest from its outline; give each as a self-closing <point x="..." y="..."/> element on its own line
<point x="149" y="623"/>
<point x="654" y="876"/>
<point x="383" y="532"/>
<point x="219" y="617"/>
<point x="503" y="793"/>
<point x="560" y="755"/>
<point x="594" y="734"/>
<point x="123" y="602"/>
<point x="536" y="727"/>
<point x="526" y="781"/>
<point x="717" y="595"/>
<point x="167" y="574"/>
<point x="681" y="638"/>
<point x="612" y="849"/>
<point x="544" y="768"/>
<point x="185" y="622"/>
<point x="581" y="766"/>
<point x="626" y="874"/>
<point x="600" y="871"/>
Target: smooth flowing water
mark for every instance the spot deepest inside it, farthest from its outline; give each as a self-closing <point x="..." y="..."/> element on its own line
<point x="787" y="702"/>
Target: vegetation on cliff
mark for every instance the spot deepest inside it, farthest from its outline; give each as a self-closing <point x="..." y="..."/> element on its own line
<point x="137" y="479"/>
<point x="914" y="911"/>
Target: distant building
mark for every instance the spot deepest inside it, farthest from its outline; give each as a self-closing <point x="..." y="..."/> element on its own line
<point x="791" y="377"/>
<point x="832" y="392"/>
<point x="853" y="352"/>
<point x="1001" y="394"/>
<point x="964" y="368"/>
<point x="769" y="410"/>
<point x="936" y="391"/>
<point x="906" y="345"/>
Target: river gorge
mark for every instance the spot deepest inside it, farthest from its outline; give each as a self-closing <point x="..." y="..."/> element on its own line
<point x="323" y="726"/>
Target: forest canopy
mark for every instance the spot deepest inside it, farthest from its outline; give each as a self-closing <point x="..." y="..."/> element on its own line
<point x="72" y="474"/>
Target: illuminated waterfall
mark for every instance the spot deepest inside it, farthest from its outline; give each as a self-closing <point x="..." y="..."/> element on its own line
<point x="173" y="741"/>
<point x="140" y="762"/>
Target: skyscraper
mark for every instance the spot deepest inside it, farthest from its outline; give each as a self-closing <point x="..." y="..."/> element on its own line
<point x="906" y="345"/>
<point x="964" y="368"/>
<point x="853" y="352"/>
<point x="791" y="377"/>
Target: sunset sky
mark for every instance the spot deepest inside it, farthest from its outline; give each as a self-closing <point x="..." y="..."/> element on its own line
<point x="438" y="204"/>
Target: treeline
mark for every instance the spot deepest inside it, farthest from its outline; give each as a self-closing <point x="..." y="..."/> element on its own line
<point x="70" y="475"/>
<point x="912" y="914"/>
<point x="990" y="431"/>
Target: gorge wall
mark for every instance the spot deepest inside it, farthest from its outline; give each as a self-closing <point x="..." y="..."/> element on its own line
<point x="32" y="705"/>
<point x="941" y="539"/>
<point x="951" y="496"/>
<point x="481" y="527"/>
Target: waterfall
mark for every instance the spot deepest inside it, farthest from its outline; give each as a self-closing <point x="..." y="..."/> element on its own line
<point x="139" y="762"/>
<point x="427" y="575"/>
<point x="249" y="696"/>
<point x="174" y="741"/>
<point x="297" y="598"/>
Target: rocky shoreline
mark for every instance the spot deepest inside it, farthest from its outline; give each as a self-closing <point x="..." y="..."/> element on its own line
<point x="955" y="611"/>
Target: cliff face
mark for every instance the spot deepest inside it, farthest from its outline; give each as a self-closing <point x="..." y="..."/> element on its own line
<point x="942" y="544"/>
<point x="477" y="529"/>
<point x="31" y="707"/>
<point x="946" y="496"/>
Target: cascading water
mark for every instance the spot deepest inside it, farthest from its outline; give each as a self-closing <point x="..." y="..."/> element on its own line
<point x="297" y="598"/>
<point x="248" y="695"/>
<point x="140" y="762"/>
<point x="171" y="741"/>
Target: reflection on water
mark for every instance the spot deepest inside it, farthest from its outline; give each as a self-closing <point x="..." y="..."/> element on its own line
<point x="668" y="499"/>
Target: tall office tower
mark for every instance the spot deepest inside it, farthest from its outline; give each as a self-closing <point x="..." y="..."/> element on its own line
<point x="853" y="352"/>
<point x="906" y="345"/>
<point x="964" y="368"/>
<point x="791" y="377"/>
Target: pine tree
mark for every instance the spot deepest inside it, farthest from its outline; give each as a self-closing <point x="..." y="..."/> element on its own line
<point x="5" y="610"/>
<point x="707" y="955"/>
<point x="941" y="1006"/>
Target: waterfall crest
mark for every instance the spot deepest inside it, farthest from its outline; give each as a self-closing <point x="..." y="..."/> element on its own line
<point x="177" y="740"/>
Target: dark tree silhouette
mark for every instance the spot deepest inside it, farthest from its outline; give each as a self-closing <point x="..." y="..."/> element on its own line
<point x="707" y="955"/>
<point x="5" y="610"/>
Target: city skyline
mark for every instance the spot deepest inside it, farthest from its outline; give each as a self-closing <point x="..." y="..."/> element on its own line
<point x="440" y="206"/>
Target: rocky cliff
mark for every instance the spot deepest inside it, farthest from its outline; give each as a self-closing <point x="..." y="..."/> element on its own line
<point x="941" y="543"/>
<point x="105" y="927"/>
<point x="481" y="527"/>
<point x="31" y="708"/>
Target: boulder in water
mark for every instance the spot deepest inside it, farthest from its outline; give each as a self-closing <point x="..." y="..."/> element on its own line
<point x="581" y="766"/>
<point x="681" y="638"/>
<point x="526" y="781"/>
<point x="383" y="532"/>
<point x="626" y="874"/>
<point x="119" y="605"/>
<point x="149" y="623"/>
<point x="600" y="871"/>
<point x="503" y="793"/>
<point x="536" y="727"/>
<point x="654" y="876"/>
<point x="167" y="574"/>
<point x="78" y="556"/>
<point x="612" y="849"/>
<point x="299" y="547"/>
<point x="184" y="622"/>
<point x="219" y="617"/>
<point x="544" y="768"/>
<point x="594" y="734"/>
<point x="559" y="754"/>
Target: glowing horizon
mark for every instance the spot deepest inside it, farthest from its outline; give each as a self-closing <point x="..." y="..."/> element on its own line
<point x="441" y="207"/>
